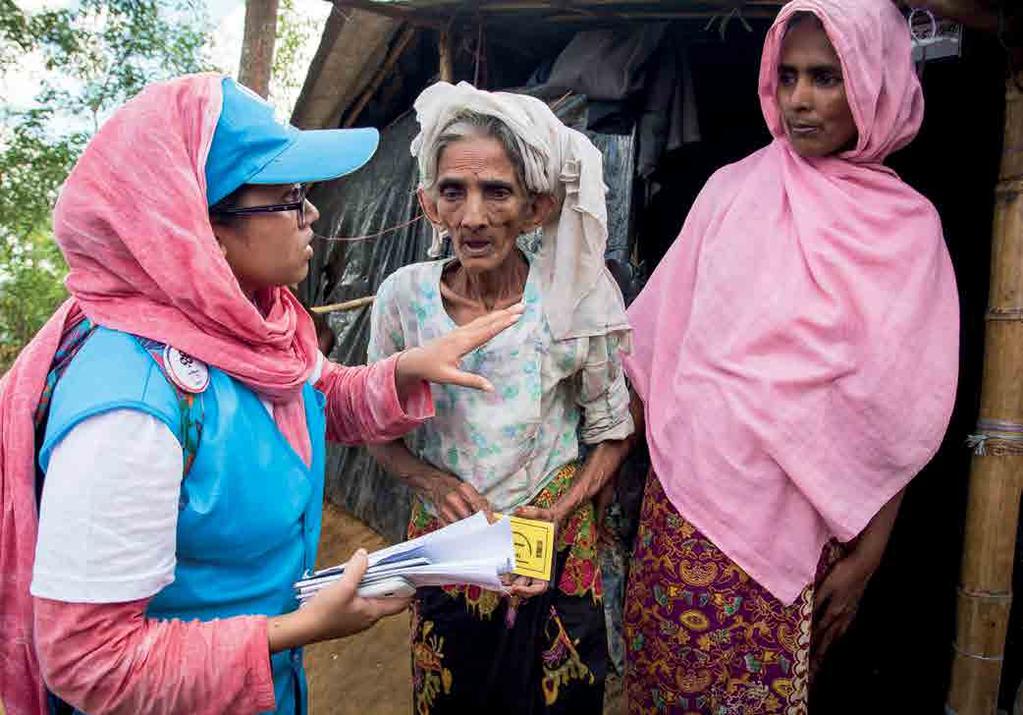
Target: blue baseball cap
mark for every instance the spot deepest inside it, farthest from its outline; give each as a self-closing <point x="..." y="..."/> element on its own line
<point x="251" y="147"/>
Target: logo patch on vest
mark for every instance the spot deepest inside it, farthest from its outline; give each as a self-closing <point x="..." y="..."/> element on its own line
<point x="185" y="371"/>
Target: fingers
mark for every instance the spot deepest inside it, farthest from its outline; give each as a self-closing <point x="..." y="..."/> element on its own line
<point x="458" y="500"/>
<point x="456" y="506"/>
<point x="824" y="639"/>
<point x="476" y="500"/>
<point x="835" y="623"/>
<point x="534" y="512"/>
<point x="384" y="607"/>
<point x="829" y="616"/>
<point x="454" y="376"/>
<point x="355" y="569"/>
<point x="483" y="329"/>
<point x="526" y="587"/>
<point x="820" y="606"/>
<point x="822" y="598"/>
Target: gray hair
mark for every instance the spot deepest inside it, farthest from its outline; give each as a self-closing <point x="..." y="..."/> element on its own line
<point x="469" y="124"/>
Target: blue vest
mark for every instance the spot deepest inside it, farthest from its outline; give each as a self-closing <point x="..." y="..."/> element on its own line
<point x="250" y="510"/>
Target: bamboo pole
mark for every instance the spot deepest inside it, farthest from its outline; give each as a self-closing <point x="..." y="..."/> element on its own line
<point x="996" y="477"/>
<point x="345" y="306"/>
<point x="447" y="60"/>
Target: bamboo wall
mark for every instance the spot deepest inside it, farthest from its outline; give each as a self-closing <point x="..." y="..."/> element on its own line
<point x="996" y="478"/>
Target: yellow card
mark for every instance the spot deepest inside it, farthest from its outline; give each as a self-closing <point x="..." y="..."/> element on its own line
<point x="534" y="547"/>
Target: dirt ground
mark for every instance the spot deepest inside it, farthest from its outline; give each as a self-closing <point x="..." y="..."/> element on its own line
<point x="371" y="673"/>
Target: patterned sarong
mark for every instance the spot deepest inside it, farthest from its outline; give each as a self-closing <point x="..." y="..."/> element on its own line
<point x="701" y="635"/>
<point x="477" y="651"/>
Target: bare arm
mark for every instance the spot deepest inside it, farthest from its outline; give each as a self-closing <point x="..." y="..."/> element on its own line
<point x="870" y="545"/>
<point x="837" y="597"/>
<point x="366" y="404"/>
<point x="599" y="470"/>
<point x="110" y="659"/>
<point x="453" y="498"/>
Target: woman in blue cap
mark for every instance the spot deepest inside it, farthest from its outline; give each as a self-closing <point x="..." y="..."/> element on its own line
<point x="168" y="423"/>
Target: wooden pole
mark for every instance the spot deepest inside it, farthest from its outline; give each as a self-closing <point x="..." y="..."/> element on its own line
<point x="996" y="477"/>
<point x="447" y="60"/>
<point x="343" y="307"/>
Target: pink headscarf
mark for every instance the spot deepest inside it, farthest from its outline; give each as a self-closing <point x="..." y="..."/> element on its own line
<point x="132" y="223"/>
<point x="797" y="348"/>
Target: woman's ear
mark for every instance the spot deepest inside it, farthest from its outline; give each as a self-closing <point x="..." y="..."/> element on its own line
<point x="429" y="204"/>
<point x="541" y="206"/>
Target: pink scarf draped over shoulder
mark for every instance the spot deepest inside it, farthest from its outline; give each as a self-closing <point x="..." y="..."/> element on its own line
<point x="132" y="223"/>
<point x="797" y="347"/>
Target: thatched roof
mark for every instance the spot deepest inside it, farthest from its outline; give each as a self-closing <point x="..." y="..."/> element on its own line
<point x="360" y="33"/>
<point x="979" y="14"/>
<point x="353" y="42"/>
<point x="438" y="13"/>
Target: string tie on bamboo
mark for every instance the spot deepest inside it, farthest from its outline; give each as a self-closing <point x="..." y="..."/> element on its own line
<point x="997" y="438"/>
<point x="977" y="656"/>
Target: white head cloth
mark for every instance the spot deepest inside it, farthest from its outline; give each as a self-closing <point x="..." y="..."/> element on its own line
<point x="580" y="296"/>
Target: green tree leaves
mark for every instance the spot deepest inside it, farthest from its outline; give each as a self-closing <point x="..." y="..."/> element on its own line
<point x="99" y="54"/>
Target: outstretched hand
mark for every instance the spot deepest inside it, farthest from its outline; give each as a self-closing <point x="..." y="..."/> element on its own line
<point x="438" y="360"/>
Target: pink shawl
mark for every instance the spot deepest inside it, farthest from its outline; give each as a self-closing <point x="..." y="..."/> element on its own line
<point x="132" y="223"/>
<point x="797" y="348"/>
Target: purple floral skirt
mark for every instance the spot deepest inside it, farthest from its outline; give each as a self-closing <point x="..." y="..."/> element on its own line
<point x="701" y="635"/>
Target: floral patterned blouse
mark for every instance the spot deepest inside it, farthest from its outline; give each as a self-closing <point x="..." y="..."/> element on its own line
<point x="548" y="395"/>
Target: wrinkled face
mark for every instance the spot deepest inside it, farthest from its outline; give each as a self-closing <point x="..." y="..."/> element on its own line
<point x="811" y="93"/>
<point x="267" y="249"/>
<point x="479" y="200"/>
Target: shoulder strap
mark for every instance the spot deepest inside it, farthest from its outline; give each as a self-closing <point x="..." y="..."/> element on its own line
<point x="188" y="386"/>
<point x="189" y="378"/>
<point x="70" y="343"/>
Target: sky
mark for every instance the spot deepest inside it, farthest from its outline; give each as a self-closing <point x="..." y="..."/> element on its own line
<point x="227" y="17"/>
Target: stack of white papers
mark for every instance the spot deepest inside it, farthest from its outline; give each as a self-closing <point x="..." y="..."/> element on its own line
<point x="470" y="551"/>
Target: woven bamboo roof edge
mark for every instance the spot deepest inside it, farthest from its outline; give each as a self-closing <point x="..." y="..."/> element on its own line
<point x="979" y="14"/>
<point x="435" y="12"/>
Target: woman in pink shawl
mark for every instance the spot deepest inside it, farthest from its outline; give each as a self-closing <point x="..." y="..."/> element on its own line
<point x="795" y="355"/>
<point x="162" y="437"/>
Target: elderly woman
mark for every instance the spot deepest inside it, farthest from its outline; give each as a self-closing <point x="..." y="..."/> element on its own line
<point x="796" y="354"/>
<point x="494" y="167"/>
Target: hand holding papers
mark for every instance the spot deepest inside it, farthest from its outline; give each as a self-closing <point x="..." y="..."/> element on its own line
<point x="470" y="551"/>
<point x="534" y="547"/>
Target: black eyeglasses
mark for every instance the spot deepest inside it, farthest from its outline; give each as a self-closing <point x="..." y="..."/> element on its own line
<point x="297" y="205"/>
